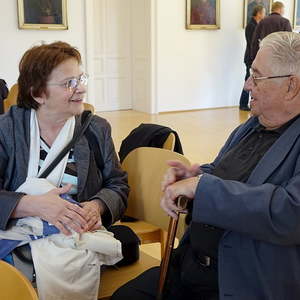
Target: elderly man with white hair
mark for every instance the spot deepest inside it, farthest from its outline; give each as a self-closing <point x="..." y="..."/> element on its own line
<point x="243" y="241"/>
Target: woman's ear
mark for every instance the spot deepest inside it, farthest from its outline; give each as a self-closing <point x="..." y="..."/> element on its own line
<point x="39" y="99"/>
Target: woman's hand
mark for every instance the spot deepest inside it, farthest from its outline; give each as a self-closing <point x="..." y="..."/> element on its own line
<point x="93" y="214"/>
<point x="52" y="208"/>
<point x="179" y="171"/>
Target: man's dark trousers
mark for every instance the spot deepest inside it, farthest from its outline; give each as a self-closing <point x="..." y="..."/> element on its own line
<point x="245" y="94"/>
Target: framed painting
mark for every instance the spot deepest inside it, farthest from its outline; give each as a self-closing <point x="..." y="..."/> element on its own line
<point x="202" y="14"/>
<point x="249" y="7"/>
<point x="296" y="14"/>
<point x="42" y="14"/>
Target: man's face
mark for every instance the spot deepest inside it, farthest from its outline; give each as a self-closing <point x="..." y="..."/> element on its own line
<point x="261" y="14"/>
<point x="267" y="95"/>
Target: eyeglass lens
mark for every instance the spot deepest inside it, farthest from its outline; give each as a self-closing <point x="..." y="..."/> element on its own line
<point x="74" y="82"/>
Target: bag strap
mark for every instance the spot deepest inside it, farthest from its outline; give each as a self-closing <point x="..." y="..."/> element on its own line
<point x="85" y="121"/>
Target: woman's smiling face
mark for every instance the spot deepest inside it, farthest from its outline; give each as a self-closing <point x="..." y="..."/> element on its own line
<point x="60" y="99"/>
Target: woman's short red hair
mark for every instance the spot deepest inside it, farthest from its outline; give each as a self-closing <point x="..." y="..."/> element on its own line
<point x="35" y="68"/>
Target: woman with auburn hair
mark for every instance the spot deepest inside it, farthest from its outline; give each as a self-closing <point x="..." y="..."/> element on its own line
<point x="78" y="196"/>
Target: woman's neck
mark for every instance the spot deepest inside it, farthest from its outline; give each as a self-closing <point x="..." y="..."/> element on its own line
<point x="50" y="126"/>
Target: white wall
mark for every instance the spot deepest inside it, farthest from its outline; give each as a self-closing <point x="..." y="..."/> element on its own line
<point x="190" y="69"/>
<point x="199" y="68"/>
<point x="14" y="42"/>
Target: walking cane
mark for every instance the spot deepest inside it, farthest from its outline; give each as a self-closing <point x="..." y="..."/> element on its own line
<point x="181" y="203"/>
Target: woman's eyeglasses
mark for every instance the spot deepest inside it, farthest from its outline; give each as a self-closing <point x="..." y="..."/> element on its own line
<point x="73" y="83"/>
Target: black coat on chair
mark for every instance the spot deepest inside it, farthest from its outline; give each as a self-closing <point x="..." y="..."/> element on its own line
<point x="148" y="135"/>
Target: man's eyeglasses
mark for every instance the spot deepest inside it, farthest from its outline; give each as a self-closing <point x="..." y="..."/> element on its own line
<point x="255" y="79"/>
<point x="73" y="83"/>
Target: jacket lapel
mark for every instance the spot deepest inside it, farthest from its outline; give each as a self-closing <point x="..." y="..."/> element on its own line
<point x="82" y="158"/>
<point x="275" y="155"/>
<point x="21" y="131"/>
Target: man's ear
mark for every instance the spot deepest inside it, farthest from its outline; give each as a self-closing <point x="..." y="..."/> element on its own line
<point x="293" y="88"/>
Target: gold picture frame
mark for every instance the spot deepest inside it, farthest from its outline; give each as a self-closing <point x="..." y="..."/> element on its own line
<point x="202" y="14"/>
<point x="43" y="14"/>
<point x="249" y="6"/>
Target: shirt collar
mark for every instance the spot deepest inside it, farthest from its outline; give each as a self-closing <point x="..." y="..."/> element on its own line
<point x="279" y="130"/>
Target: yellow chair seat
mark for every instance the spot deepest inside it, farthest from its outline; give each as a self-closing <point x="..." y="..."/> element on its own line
<point x="14" y="285"/>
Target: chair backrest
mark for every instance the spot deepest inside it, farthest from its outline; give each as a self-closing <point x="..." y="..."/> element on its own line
<point x="146" y="167"/>
<point x="14" y="285"/>
<point x="88" y="106"/>
<point x="169" y="144"/>
<point x="11" y="98"/>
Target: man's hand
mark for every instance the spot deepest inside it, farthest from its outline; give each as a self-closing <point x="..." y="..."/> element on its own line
<point x="186" y="187"/>
<point x="179" y="171"/>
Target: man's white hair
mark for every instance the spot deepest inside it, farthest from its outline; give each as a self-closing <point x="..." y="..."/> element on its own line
<point x="285" y="52"/>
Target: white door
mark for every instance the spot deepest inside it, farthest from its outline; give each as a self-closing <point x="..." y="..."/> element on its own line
<point x="108" y="52"/>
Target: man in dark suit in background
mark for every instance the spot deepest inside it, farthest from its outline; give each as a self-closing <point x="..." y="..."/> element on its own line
<point x="258" y="14"/>
<point x="252" y="5"/>
<point x="273" y="23"/>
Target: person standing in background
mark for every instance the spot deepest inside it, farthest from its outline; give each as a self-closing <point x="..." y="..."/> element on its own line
<point x="258" y="14"/>
<point x="252" y="4"/>
<point x="273" y="23"/>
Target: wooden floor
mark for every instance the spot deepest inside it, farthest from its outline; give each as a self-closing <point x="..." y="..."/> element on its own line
<point x="202" y="134"/>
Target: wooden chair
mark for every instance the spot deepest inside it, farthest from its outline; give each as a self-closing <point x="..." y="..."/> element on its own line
<point x="11" y="98"/>
<point x="14" y="285"/>
<point x="88" y="106"/>
<point x="169" y="144"/>
<point x="146" y="167"/>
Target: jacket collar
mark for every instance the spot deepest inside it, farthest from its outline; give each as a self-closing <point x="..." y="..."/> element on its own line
<point x="275" y="13"/>
<point x="276" y="154"/>
<point x="82" y="157"/>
